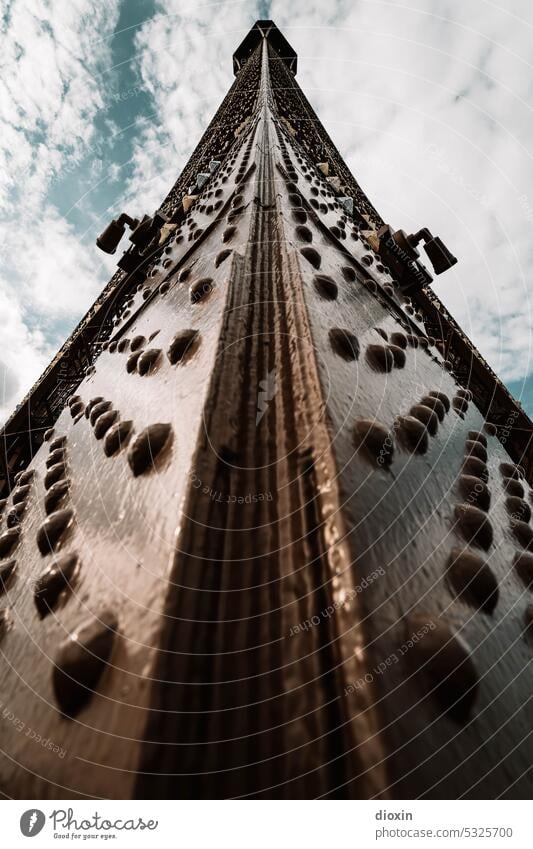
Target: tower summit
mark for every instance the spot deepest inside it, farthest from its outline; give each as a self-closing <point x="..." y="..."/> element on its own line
<point x="265" y="523"/>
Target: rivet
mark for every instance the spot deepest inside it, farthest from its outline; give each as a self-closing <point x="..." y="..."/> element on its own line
<point x="48" y="434"/>
<point x="427" y="416"/>
<point x="443" y="398"/>
<point x="15" y="515"/>
<point x="374" y="441"/>
<point x="513" y="487"/>
<point x="522" y="532"/>
<point x="81" y="661"/>
<point x="344" y="343"/>
<point x="434" y="404"/>
<point x="7" y="575"/>
<point x="412" y="433"/>
<point x="398" y="355"/>
<point x="117" y="437"/>
<point x="6" y="622"/>
<point x="131" y="362"/>
<point x="379" y="358"/>
<point x="98" y="409"/>
<point x="509" y="470"/>
<point x="473" y="466"/>
<point x="523" y="563"/>
<point x="476" y="449"/>
<point x="460" y="405"/>
<point x="518" y="507"/>
<point x="137" y="342"/>
<point x="52" y="530"/>
<point x="303" y="233"/>
<point x="104" y="422"/>
<point x="8" y="541"/>
<point x="200" y="289"/>
<point x="92" y="403"/>
<point x="442" y="660"/>
<point x="349" y="273"/>
<point x="147" y="446"/>
<point x="77" y="409"/>
<point x="311" y="256"/>
<point x="55" y="495"/>
<point x="473" y="579"/>
<point x="474" y="525"/>
<point x="220" y="257"/>
<point x="325" y="286"/>
<point x="475" y="491"/>
<point x="148" y="361"/>
<point x="53" y="583"/>
<point x="21" y="493"/>
<point x="54" y="474"/>
<point x="299" y="215"/>
<point x="183" y="345"/>
<point x="399" y="339"/>
<point x="228" y="233"/>
<point x="57" y="456"/>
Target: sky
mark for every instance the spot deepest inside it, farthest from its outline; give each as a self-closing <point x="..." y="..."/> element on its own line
<point x="102" y="103"/>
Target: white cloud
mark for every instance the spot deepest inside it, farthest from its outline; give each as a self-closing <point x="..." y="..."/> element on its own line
<point x="23" y="355"/>
<point x="184" y="59"/>
<point x="49" y="98"/>
<point x="431" y="106"/>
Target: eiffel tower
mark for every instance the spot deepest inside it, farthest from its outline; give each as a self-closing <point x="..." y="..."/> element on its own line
<point x="266" y="522"/>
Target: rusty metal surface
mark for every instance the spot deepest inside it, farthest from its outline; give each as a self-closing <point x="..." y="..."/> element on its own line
<point x="292" y="550"/>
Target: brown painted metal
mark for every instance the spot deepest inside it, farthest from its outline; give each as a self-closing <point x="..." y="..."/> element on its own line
<point x="292" y="548"/>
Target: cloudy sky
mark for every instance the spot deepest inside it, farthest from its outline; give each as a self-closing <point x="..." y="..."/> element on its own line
<point x="102" y="102"/>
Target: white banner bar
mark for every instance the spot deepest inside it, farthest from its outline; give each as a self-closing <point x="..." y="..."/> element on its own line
<point x="267" y="824"/>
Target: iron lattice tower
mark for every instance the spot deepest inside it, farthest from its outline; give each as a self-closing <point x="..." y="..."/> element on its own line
<point x="265" y="528"/>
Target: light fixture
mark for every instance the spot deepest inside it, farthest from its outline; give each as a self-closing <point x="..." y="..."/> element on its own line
<point x="108" y="240"/>
<point x="440" y="257"/>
